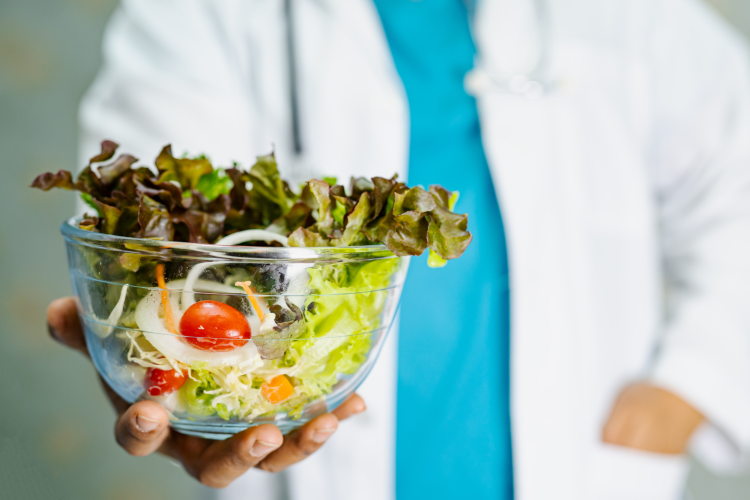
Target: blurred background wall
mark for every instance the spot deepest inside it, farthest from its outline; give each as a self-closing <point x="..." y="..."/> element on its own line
<point x="56" y="438"/>
<point x="56" y="429"/>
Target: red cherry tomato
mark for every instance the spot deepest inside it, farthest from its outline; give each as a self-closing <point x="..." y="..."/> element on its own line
<point x="160" y="382"/>
<point x="214" y="326"/>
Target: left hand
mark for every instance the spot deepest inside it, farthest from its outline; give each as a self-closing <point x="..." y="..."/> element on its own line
<point x="648" y="418"/>
<point x="143" y="428"/>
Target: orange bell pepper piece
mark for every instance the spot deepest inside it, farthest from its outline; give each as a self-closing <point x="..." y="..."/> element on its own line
<point x="277" y="390"/>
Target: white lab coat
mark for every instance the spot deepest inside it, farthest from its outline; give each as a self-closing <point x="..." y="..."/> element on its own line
<point x="625" y="192"/>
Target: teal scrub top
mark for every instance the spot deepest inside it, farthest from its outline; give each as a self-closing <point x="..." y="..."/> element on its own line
<point x="453" y="411"/>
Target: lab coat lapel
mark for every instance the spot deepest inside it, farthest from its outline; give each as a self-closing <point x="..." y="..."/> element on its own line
<point x="576" y="206"/>
<point x="353" y="108"/>
<point x="521" y="138"/>
<point x="517" y="134"/>
<point x="354" y="122"/>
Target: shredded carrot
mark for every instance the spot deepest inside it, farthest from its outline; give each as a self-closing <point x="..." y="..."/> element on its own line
<point x="168" y="316"/>
<point x="277" y="390"/>
<point x="253" y="300"/>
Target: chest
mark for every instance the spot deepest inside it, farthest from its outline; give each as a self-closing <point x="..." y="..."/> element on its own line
<point x="582" y="144"/>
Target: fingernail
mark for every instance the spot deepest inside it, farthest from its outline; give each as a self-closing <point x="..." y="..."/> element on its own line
<point x="145" y="424"/>
<point x="261" y="448"/>
<point x="52" y="332"/>
<point x="321" y="435"/>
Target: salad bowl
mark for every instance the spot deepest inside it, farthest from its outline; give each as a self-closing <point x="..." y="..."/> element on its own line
<point x="226" y="337"/>
<point x="232" y="299"/>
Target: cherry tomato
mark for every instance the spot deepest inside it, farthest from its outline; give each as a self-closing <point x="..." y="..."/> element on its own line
<point x="160" y="382"/>
<point x="214" y="326"/>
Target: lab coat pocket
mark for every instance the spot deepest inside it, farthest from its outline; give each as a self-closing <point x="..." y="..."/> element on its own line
<point x="620" y="473"/>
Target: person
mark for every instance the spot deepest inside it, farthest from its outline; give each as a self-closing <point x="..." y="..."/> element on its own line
<point x="596" y="330"/>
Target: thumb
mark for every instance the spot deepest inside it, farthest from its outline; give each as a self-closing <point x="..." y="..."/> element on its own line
<point x="142" y="428"/>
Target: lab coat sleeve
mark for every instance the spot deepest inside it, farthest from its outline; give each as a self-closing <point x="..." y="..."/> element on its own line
<point x="702" y="185"/>
<point x="172" y="73"/>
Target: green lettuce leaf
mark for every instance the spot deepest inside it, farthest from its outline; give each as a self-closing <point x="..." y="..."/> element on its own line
<point x="327" y="339"/>
<point x="186" y="171"/>
<point x="193" y="393"/>
<point x="339" y="332"/>
<point x="342" y="205"/>
<point x="89" y="200"/>
<point x="268" y="184"/>
<point x="435" y="261"/>
<point x="355" y="221"/>
<point x="214" y="184"/>
<point x="317" y="195"/>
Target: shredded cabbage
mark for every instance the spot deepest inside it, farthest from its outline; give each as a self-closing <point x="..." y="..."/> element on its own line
<point x="143" y="353"/>
<point x="340" y="325"/>
<point x="339" y="321"/>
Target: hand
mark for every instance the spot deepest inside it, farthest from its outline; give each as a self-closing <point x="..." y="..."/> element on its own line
<point x="651" y="419"/>
<point x="143" y="428"/>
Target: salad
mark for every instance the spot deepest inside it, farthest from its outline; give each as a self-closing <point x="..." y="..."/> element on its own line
<point x="192" y="292"/>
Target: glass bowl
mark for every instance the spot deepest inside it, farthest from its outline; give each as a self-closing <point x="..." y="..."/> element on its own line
<point x="290" y="333"/>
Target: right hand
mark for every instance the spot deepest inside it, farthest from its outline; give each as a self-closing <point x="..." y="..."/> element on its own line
<point x="143" y="428"/>
<point x="649" y="418"/>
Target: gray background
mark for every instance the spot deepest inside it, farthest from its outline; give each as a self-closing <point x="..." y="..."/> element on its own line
<point x="55" y="425"/>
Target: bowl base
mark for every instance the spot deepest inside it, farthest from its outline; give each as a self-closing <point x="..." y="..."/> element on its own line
<point x="221" y="432"/>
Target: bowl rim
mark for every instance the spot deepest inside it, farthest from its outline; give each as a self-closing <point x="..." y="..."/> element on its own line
<point x="72" y="233"/>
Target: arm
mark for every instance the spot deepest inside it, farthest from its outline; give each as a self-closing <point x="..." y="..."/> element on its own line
<point x="143" y="428"/>
<point x="173" y="74"/>
<point x="701" y="155"/>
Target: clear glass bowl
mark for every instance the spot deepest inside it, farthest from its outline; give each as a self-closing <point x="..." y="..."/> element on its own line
<point x="326" y="314"/>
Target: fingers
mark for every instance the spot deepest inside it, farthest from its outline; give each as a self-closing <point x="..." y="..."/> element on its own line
<point x="351" y="406"/>
<point x="648" y="418"/>
<point x="64" y="324"/>
<point x="142" y="428"/>
<point x="217" y="464"/>
<point x="301" y="443"/>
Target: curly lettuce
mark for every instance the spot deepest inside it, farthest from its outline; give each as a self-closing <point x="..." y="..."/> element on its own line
<point x="188" y="199"/>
